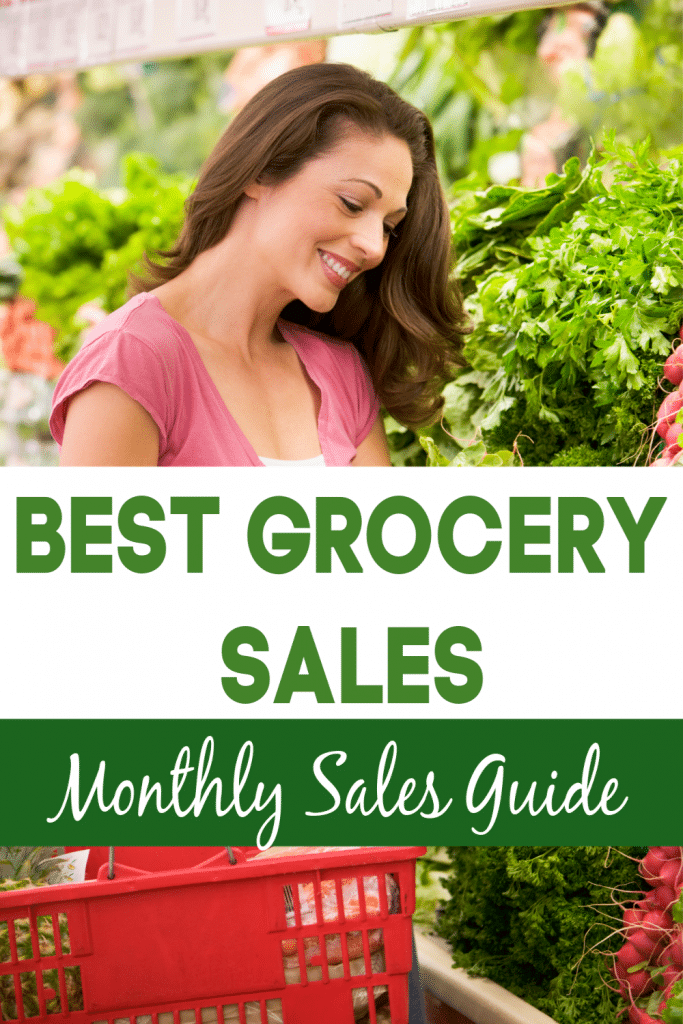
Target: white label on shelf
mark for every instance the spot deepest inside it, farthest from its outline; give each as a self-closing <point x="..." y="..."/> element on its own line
<point x="284" y="16"/>
<point x="134" y="24"/>
<point x="38" y="34"/>
<point x="353" y="11"/>
<point x="67" y="28"/>
<point x="422" y="8"/>
<point x="196" y="19"/>
<point x="12" y="39"/>
<point x="101" y="28"/>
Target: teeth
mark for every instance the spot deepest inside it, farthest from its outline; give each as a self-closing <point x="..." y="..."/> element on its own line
<point x="337" y="267"/>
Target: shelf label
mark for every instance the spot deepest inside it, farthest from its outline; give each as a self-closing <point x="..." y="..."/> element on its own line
<point x="67" y="26"/>
<point x="423" y="8"/>
<point x="101" y="28"/>
<point x="134" y="24"/>
<point x="196" y="19"/>
<point x="284" y="16"/>
<point x="12" y="39"/>
<point x="39" y="34"/>
<point x="352" y="12"/>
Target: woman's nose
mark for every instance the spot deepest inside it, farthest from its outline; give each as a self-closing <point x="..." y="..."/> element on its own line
<point x="369" y="238"/>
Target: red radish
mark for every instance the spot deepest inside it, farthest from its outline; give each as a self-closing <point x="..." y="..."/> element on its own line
<point x="640" y="983"/>
<point x="672" y="438"/>
<point x="652" y="862"/>
<point x="662" y="461"/>
<point x="671" y="872"/>
<point x="645" y="944"/>
<point x="667" y="412"/>
<point x="633" y="916"/>
<point x="671" y="851"/>
<point x="656" y="922"/>
<point x="638" y="1016"/>
<point x="629" y="956"/>
<point x="673" y="367"/>
<point x="673" y="954"/>
<point x="665" y="896"/>
<point x="670" y="976"/>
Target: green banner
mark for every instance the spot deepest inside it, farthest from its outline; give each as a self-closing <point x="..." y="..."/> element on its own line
<point x="201" y="782"/>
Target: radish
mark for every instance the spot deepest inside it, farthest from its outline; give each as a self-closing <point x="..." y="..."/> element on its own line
<point x="633" y="917"/>
<point x="629" y="956"/>
<point x="656" y="922"/>
<point x="671" y="872"/>
<point x="667" y="412"/>
<point x="665" y="896"/>
<point x="647" y="903"/>
<point x="638" y="1016"/>
<point x="672" y="438"/>
<point x="652" y="862"/>
<point x="645" y="944"/>
<point x="673" y="367"/>
<point x="640" y="983"/>
<point x="670" y="851"/>
<point x="673" y="954"/>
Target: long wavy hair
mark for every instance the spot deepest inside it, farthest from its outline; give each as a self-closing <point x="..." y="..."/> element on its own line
<point x="405" y="316"/>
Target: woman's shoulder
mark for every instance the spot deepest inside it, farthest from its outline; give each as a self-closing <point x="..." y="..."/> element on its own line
<point x="324" y="349"/>
<point x="143" y="319"/>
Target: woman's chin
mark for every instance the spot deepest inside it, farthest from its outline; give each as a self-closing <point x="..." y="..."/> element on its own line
<point x="321" y="303"/>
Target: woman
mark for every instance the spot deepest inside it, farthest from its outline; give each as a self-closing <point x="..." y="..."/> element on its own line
<point x="318" y="216"/>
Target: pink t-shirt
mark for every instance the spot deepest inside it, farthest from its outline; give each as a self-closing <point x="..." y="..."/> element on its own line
<point x="151" y="357"/>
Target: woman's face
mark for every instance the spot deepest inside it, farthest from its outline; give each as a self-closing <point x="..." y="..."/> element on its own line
<point x="332" y="220"/>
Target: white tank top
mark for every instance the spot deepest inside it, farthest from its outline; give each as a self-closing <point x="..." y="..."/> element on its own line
<point x="317" y="460"/>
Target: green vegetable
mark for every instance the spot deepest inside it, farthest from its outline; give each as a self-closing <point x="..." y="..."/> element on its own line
<point x="576" y="292"/>
<point x="525" y="917"/>
<point x="77" y="245"/>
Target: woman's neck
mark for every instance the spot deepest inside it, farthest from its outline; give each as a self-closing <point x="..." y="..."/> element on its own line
<point x="225" y="297"/>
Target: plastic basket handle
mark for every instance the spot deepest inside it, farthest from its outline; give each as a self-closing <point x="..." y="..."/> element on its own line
<point x="110" y="873"/>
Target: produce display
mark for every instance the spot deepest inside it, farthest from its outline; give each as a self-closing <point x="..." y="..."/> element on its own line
<point x="649" y="966"/>
<point x="543" y="922"/>
<point x="575" y="292"/>
<point x="670" y="412"/>
<point x="76" y="244"/>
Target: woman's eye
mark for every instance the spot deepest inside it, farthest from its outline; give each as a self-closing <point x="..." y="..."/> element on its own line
<point x="351" y="207"/>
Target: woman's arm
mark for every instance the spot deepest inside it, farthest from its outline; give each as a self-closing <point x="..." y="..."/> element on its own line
<point x="106" y="427"/>
<point x="373" y="451"/>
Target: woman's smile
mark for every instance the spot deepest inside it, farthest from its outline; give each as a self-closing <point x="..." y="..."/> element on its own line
<point x="337" y="270"/>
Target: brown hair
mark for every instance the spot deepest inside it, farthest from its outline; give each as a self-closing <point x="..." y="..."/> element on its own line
<point x="404" y="316"/>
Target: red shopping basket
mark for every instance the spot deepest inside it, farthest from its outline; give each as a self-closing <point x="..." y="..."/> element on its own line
<point x="318" y="936"/>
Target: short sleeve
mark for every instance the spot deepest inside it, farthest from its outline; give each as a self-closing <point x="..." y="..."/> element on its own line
<point x="367" y="403"/>
<point x="118" y="357"/>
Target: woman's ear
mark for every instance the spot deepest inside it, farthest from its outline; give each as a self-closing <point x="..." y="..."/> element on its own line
<point x="254" y="190"/>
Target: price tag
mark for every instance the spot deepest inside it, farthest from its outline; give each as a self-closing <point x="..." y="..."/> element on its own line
<point x="13" y="39"/>
<point x="101" y="28"/>
<point x="354" y="11"/>
<point x="39" y="50"/>
<point x="67" y="28"/>
<point x="423" y="8"/>
<point x="285" y="16"/>
<point x="134" y="24"/>
<point x="196" y="19"/>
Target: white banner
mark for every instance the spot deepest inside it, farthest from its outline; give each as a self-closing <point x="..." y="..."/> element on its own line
<point x="359" y="593"/>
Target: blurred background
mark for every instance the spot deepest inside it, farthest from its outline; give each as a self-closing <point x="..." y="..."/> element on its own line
<point x="95" y="165"/>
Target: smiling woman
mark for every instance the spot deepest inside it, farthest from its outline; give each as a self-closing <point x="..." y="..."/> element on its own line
<point x="310" y="281"/>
